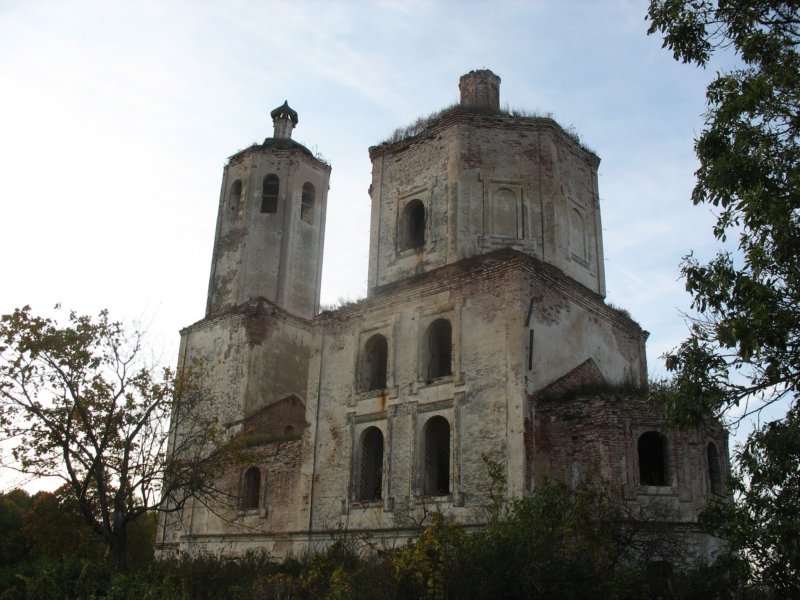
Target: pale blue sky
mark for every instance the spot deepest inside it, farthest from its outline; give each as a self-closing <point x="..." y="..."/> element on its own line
<point x="116" y="119"/>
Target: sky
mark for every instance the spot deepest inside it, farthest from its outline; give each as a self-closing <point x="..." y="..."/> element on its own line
<point x="116" y="119"/>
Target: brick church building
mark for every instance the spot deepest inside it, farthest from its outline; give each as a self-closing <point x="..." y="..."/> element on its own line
<point x="485" y="333"/>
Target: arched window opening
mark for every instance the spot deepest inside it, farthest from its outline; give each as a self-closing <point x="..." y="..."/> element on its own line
<point x="370" y="477"/>
<point x="252" y="489"/>
<point x="438" y="350"/>
<point x="374" y="363"/>
<point x="652" y="459"/>
<point x="269" y="194"/>
<point x="235" y="197"/>
<point x="307" y="204"/>
<point x="714" y="470"/>
<point x="437" y="457"/>
<point x="412" y="233"/>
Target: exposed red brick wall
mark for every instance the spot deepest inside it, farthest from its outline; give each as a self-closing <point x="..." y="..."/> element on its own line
<point x="280" y="466"/>
<point x="598" y="434"/>
<point x="276" y="418"/>
<point x="584" y="374"/>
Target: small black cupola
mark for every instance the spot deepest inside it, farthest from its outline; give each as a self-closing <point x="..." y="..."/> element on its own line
<point x="284" y="119"/>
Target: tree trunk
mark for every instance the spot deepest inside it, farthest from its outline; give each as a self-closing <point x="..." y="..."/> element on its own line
<point x="119" y="553"/>
<point x="119" y="543"/>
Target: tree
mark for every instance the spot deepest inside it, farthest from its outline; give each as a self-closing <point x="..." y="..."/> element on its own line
<point x="764" y="524"/>
<point x="562" y="541"/>
<point x="744" y="344"/>
<point x="82" y="404"/>
<point x="748" y="300"/>
<point x="12" y="516"/>
<point x="53" y="527"/>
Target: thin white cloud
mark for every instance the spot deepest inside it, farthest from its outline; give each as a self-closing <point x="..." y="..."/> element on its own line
<point x="117" y="118"/>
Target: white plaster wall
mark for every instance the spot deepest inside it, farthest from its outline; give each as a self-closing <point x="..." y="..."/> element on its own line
<point x="461" y="167"/>
<point x="277" y="256"/>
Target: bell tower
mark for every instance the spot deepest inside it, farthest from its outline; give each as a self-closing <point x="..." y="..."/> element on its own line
<point x="271" y="224"/>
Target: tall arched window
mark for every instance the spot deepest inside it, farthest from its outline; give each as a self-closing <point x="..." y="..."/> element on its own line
<point x="269" y="194"/>
<point x="437" y="353"/>
<point x="436" y="435"/>
<point x="412" y="226"/>
<point x="235" y="197"/>
<point x="307" y="204"/>
<point x="714" y="470"/>
<point x="252" y="489"/>
<point x="370" y="476"/>
<point x="374" y="362"/>
<point x="652" y="459"/>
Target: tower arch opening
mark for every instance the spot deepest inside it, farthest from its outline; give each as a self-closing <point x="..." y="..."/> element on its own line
<point x="269" y="194"/>
<point x="235" y="198"/>
<point x="307" y="203"/>
<point x="412" y="226"/>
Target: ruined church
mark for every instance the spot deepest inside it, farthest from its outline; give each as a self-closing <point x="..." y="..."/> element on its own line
<point x="484" y="335"/>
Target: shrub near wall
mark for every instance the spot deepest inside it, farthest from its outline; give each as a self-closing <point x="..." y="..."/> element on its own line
<point x="559" y="543"/>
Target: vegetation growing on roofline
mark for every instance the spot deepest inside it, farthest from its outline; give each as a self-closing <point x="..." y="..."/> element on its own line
<point x="418" y="126"/>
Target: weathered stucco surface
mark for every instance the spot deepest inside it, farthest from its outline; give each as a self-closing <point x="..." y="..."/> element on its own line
<point x="485" y="314"/>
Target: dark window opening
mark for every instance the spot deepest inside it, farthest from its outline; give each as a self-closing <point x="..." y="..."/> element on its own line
<point x="371" y="472"/>
<point x="412" y="233"/>
<point x="307" y="204"/>
<point x="439" y="349"/>
<point x="437" y="457"/>
<point x="714" y="470"/>
<point x="652" y="459"/>
<point x="374" y="363"/>
<point x="235" y="197"/>
<point x="269" y="195"/>
<point x="252" y="489"/>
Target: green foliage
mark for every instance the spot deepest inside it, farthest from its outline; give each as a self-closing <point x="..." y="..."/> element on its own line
<point x="12" y="541"/>
<point x="559" y="543"/>
<point x="141" y="539"/>
<point x="338" y="572"/>
<point x="81" y="404"/>
<point x="764" y="525"/>
<point x="744" y="347"/>
<point x="433" y="565"/>
<point x="749" y="152"/>
<point x="53" y="528"/>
